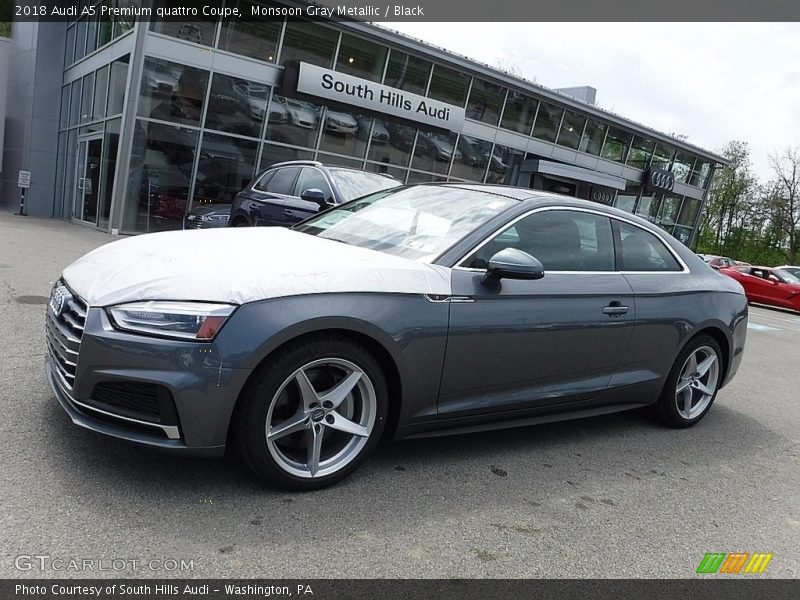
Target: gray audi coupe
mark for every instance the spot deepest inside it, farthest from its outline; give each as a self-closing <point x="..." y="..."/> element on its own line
<point x="414" y="311"/>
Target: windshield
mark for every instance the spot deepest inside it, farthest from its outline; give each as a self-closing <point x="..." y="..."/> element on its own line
<point x="786" y="276"/>
<point x="418" y="222"/>
<point x="354" y="184"/>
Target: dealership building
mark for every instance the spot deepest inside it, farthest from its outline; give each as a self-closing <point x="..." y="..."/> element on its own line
<point x="125" y="126"/>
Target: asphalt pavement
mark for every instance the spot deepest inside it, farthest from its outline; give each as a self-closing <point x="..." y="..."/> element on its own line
<point x="615" y="496"/>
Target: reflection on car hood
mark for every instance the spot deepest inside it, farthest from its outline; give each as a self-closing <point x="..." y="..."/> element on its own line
<point x="241" y="265"/>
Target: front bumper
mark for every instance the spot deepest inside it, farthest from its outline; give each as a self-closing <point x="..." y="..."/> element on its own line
<point x="204" y="393"/>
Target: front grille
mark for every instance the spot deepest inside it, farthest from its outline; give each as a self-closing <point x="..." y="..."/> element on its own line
<point x="64" y="331"/>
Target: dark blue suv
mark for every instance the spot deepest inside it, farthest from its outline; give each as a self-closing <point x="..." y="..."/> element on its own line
<point x="290" y="192"/>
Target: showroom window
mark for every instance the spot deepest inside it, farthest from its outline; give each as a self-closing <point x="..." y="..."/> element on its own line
<point x="700" y="173"/>
<point x="397" y="151"/>
<point x="682" y="167"/>
<point x="345" y="133"/>
<point x="547" y="122"/>
<point x="116" y="85"/>
<point x="485" y="102"/>
<point x="236" y="105"/>
<point x="308" y="42"/>
<point x="640" y="153"/>
<point x="519" y="112"/>
<point x="249" y="37"/>
<point x="668" y="214"/>
<point x="648" y="205"/>
<point x="100" y="93"/>
<point x="225" y="168"/>
<point x="201" y="31"/>
<point x="592" y="138"/>
<point x="501" y="162"/>
<point x="640" y="250"/>
<point x="69" y="50"/>
<point x="272" y="154"/>
<point x="172" y="92"/>
<point x="86" y="98"/>
<point x="689" y="210"/>
<point x="472" y="158"/>
<point x="434" y="151"/>
<point x="561" y="240"/>
<point x="626" y="200"/>
<point x="448" y="85"/>
<point x="292" y="121"/>
<point x="361" y="58"/>
<point x="407" y="72"/>
<point x="662" y="157"/>
<point x="617" y="144"/>
<point x="571" y="130"/>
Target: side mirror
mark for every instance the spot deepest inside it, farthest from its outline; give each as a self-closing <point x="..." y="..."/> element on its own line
<point x="513" y="264"/>
<point x="314" y="195"/>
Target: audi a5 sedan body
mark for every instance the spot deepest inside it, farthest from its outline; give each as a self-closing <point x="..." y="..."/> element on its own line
<point x="414" y="311"/>
<point x="775" y="287"/>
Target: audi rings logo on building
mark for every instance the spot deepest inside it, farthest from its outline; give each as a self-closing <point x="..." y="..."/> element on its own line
<point x="661" y="180"/>
<point x="602" y="196"/>
<point x="59" y="299"/>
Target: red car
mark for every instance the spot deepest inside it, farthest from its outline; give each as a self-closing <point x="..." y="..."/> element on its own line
<point x="766" y="285"/>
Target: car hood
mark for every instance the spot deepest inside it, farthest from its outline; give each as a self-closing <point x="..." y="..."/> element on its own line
<point x="239" y="265"/>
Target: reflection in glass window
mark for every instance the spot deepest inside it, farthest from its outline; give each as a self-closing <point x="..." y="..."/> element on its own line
<point x="293" y="121"/>
<point x="236" y="105"/>
<point x="75" y="102"/>
<point x="662" y="157"/>
<point x="100" y="93"/>
<point x="683" y="234"/>
<point x="640" y="153"/>
<point x="339" y="161"/>
<point x="627" y="200"/>
<point x="547" y="122"/>
<point x="682" y="167"/>
<point x="201" y="31"/>
<point x="593" y="136"/>
<point x="123" y="24"/>
<point x="272" y="154"/>
<point x="172" y="92"/>
<point x="561" y="240"/>
<point x="397" y="150"/>
<point x="689" y="211"/>
<point x="250" y="37"/>
<point x="345" y="133"/>
<point x="311" y="178"/>
<point x="395" y="172"/>
<point x="110" y="148"/>
<point x="642" y="251"/>
<point x="418" y="177"/>
<point x="647" y="207"/>
<point x="64" y="106"/>
<point x="474" y="157"/>
<point x="91" y="35"/>
<point x="116" y="85"/>
<point x="69" y="56"/>
<point x="617" y="144"/>
<point x="86" y="98"/>
<point x="571" y="130"/>
<point x="519" y="112"/>
<point x="668" y="214"/>
<point x="448" y="85"/>
<point x="308" y="42"/>
<point x="407" y="72"/>
<point x="80" y="38"/>
<point x="485" y="102"/>
<point x="161" y="164"/>
<point x="499" y="163"/>
<point x="699" y="177"/>
<point x="361" y="58"/>
<point x="434" y="151"/>
<point x="224" y="169"/>
<point x="105" y="31"/>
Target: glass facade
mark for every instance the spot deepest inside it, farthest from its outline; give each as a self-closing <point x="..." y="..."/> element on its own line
<point x="199" y="136"/>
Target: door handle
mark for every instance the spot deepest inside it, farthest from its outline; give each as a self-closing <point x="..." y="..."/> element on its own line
<point x="615" y="309"/>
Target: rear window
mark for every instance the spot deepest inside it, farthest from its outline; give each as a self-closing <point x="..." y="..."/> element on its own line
<point x="283" y="181"/>
<point x="355" y="184"/>
<point x="640" y="250"/>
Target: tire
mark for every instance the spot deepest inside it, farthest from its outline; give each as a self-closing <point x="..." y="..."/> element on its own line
<point x="280" y="417"/>
<point x="690" y="391"/>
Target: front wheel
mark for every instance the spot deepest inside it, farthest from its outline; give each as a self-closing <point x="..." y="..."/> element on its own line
<point x="312" y="413"/>
<point x="692" y="384"/>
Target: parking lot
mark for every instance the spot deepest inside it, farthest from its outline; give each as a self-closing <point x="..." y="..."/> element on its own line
<point x="616" y="496"/>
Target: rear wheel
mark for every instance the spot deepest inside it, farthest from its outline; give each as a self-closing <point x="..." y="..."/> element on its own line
<point x="312" y="413"/>
<point x="692" y="385"/>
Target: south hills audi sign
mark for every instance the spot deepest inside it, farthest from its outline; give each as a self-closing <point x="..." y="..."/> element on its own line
<point x="362" y="93"/>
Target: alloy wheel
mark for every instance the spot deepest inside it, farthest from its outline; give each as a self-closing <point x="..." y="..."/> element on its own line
<point x="697" y="382"/>
<point x="321" y="418"/>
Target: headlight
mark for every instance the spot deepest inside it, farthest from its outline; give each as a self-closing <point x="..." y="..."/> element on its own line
<point x="198" y="321"/>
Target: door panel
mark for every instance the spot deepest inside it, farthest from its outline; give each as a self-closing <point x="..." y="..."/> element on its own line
<point x="530" y="344"/>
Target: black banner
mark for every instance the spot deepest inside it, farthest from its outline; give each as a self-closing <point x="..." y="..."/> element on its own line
<point x="417" y="11"/>
<point x="439" y="589"/>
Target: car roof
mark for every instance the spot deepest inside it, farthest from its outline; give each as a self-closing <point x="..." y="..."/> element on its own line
<point x="316" y="163"/>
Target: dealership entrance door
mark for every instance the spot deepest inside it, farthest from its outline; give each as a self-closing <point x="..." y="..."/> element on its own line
<point x="87" y="179"/>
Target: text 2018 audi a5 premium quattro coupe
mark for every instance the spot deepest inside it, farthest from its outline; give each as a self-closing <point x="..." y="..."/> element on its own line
<point x="410" y="312"/>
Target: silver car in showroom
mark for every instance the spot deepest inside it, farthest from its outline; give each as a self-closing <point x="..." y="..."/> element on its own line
<point x="414" y="311"/>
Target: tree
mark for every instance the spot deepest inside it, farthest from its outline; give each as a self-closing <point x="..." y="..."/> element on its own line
<point x="785" y="199"/>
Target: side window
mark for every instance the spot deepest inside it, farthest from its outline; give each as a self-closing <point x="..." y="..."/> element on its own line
<point x="261" y="184"/>
<point x="311" y="178"/>
<point x="640" y="250"/>
<point x="562" y="240"/>
<point x="283" y="181"/>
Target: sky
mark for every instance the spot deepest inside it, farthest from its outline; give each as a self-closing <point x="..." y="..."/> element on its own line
<point x="713" y="82"/>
